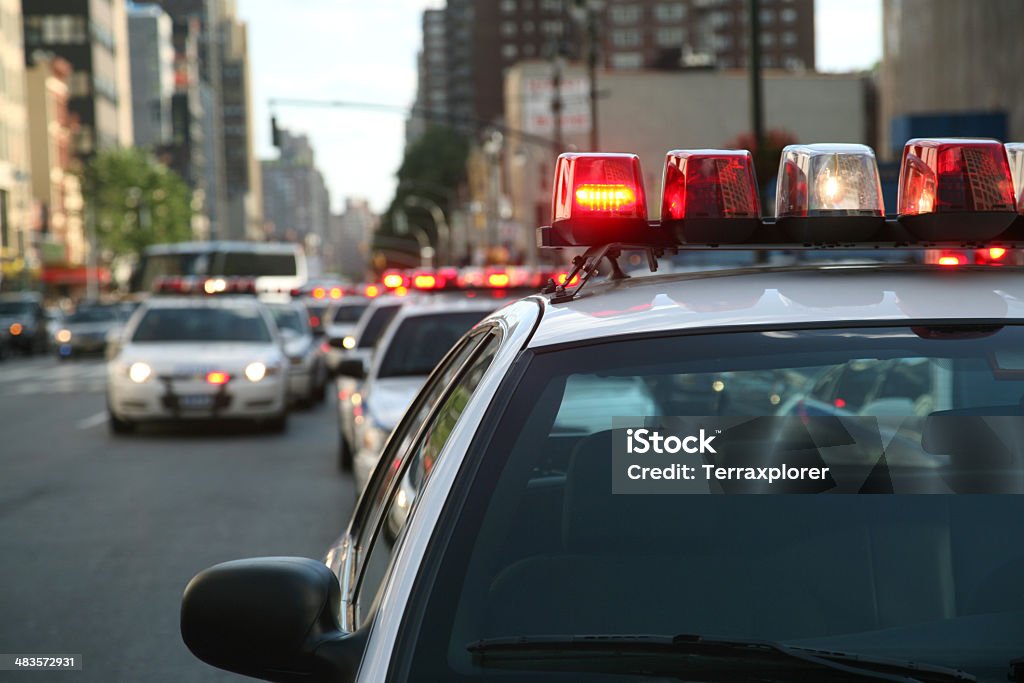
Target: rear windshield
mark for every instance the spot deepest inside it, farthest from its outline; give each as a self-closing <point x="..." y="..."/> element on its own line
<point x="287" y="318"/>
<point x="213" y="324"/>
<point x="15" y="308"/>
<point x="422" y="340"/>
<point x="95" y="315"/>
<point x="348" y="313"/>
<point x="242" y="263"/>
<point x="548" y="543"/>
<point x="376" y="325"/>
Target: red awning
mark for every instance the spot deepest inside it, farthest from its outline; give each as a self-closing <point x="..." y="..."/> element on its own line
<point x="72" y="275"/>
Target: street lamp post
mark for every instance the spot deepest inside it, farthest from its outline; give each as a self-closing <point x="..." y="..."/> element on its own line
<point x="444" y="238"/>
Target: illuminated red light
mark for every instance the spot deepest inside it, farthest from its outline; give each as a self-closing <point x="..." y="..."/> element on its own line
<point x="401" y="291"/>
<point x="498" y="280"/>
<point x="605" y="187"/>
<point x="709" y="183"/>
<point x="424" y="282"/>
<point x="314" y="320"/>
<point x="217" y="378"/>
<point x="336" y="292"/>
<point x="839" y="403"/>
<point x="325" y="347"/>
<point x="319" y="293"/>
<point x="393" y="280"/>
<point x="951" y="174"/>
<point x="996" y="253"/>
<point x="560" y="278"/>
<point x="372" y="291"/>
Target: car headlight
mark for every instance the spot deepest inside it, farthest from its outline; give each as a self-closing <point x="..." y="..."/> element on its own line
<point x="63" y="336"/>
<point x="348" y="342"/>
<point x="255" y="372"/>
<point x="139" y="372"/>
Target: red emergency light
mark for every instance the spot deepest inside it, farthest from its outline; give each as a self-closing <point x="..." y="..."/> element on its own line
<point x="943" y="177"/>
<point x="701" y="187"/>
<point x="217" y="377"/>
<point x="599" y="192"/>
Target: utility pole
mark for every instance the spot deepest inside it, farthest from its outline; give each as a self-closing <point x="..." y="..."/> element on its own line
<point x="756" y="88"/>
<point x="592" y="55"/>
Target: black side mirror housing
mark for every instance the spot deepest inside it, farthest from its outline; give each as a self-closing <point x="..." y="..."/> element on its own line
<point x="274" y="618"/>
<point x="352" y="367"/>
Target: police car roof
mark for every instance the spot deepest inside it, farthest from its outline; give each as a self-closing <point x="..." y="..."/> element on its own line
<point x="442" y="302"/>
<point x="783" y="297"/>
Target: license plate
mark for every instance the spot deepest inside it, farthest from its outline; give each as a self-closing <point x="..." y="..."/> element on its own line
<point x="197" y="401"/>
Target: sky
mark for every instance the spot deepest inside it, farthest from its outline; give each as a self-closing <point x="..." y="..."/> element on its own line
<point x="365" y="51"/>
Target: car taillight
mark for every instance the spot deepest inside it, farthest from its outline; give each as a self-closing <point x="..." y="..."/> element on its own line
<point x="371" y="291"/>
<point x="319" y="292"/>
<point x="314" y="321"/>
<point x="336" y="292"/>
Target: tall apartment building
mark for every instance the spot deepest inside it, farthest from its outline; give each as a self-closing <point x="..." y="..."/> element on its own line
<point x="17" y="234"/>
<point x="241" y="167"/>
<point x="431" y="103"/>
<point x="92" y="35"/>
<point x="482" y="39"/>
<point x="296" y="201"/>
<point x="151" y="56"/>
<point x="55" y="186"/>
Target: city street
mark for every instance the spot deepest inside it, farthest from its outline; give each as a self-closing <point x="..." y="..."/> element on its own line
<point x="99" y="535"/>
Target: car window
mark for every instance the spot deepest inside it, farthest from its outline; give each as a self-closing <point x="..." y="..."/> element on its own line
<point x="422" y="340"/>
<point x="214" y="324"/>
<point x="288" y="318"/>
<point x="348" y="313"/>
<point x="543" y="544"/>
<point x="416" y="467"/>
<point x="376" y="325"/>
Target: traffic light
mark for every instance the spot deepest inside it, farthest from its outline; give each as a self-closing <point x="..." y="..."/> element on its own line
<point x="275" y="134"/>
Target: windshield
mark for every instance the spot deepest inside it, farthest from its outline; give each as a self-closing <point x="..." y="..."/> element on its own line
<point x="552" y="541"/>
<point x="242" y="263"/>
<point x="287" y="318"/>
<point x="349" y="313"/>
<point x="376" y="325"/>
<point x="97" y="314"/>
<point x="421" y="342"/>
<point x="196" y="324"/>
<point x="15" y="308"/>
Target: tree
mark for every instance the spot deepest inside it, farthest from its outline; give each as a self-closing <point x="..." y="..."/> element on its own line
<point x="135" y="201"/>
<point x="433" y="167"/>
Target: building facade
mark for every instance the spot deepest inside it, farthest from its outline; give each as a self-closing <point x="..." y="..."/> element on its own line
<point x="19" y="235"/>
<point x="296" y="202"/>
<point x="954" y="67"/>
<point x="92" y="35"/>
<point x="152" y="62"/>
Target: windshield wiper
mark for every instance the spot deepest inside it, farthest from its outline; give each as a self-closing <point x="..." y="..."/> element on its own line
<point x="697" y="657"/>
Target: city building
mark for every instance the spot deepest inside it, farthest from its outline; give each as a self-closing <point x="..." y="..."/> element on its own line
<point x="152" y="62"/>
<point x="56" y="190"/>
<point x="470" y="44"/>
<point x="296" y="202"/>
<point x="951" y="68"/>
<point x="92" y="35"/>
<point x="674" y="107"/>
<point x="18" y="239"/>
<point x="351" y="236"/>
<point x="431" y="104"/>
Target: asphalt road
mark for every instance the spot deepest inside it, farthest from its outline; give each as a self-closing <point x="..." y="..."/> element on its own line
<point x="99" y="535"/>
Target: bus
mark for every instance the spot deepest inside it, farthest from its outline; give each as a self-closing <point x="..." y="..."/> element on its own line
<point x="276" y="266"/>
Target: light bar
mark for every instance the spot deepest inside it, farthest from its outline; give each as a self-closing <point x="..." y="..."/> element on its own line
<point x="831" y="181"/>
<point x="598" y="197"/>
<point x="700" y="187"/>
<point x="942" y="177"/>
<point x="392" y="279"/>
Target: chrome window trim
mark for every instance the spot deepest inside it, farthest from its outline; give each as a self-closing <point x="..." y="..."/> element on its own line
<point x="518" y="322"/>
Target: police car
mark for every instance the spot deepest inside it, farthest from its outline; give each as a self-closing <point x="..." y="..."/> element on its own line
<point x="307" y="365"/>
<point x="553" y="537"/>
<point x="186" y="358"/>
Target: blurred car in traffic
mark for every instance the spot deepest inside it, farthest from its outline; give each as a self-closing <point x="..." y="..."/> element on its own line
<point x="23" y="316"/>
<point x="359" y="344"/>
<point x="88" y="330"/>
<point x="199" y="358"/>
<point x="420" y="335"/>
<point x="307" y="367"/>
<point x="340" y="321"/>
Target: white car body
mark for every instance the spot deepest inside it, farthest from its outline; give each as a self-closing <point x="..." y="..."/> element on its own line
<point x="177" y="386"/>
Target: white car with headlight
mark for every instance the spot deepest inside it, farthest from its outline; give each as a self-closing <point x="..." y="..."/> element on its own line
<point x="198" y="359"/>
<point x="307" y="367"/>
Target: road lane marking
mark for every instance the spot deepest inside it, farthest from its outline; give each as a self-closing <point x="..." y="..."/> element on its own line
<point x="93" y="421"/>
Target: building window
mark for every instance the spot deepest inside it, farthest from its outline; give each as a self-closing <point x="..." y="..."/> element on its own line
<point x="789" y="38"/>
<point x="528" y="27"/>
<point x="528" y="50"/>
<point x="767" y="17"/>
<point x="669" y="37"/>
<point x="626" y="14"/>
<point x="627" y="60"/>
<point x="629" y="37"/>
<point x="670" y="11"/>
<point x="767" y="39"/>
<point x="508" y="6"/>
<point x="768" y="62"/>
<point x="64" y="29"/>
<point x="551" y="6"/>
<point x="723" y="42"/>
<point x="509" y="28"/>
<point x="509" y="51"/>
<point x="552" y="28"/>
<point x="788" y="15"/>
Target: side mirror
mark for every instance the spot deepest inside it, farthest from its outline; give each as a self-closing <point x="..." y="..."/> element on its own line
<point x="352" y="367"/>
<point x="274" y="618"/>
